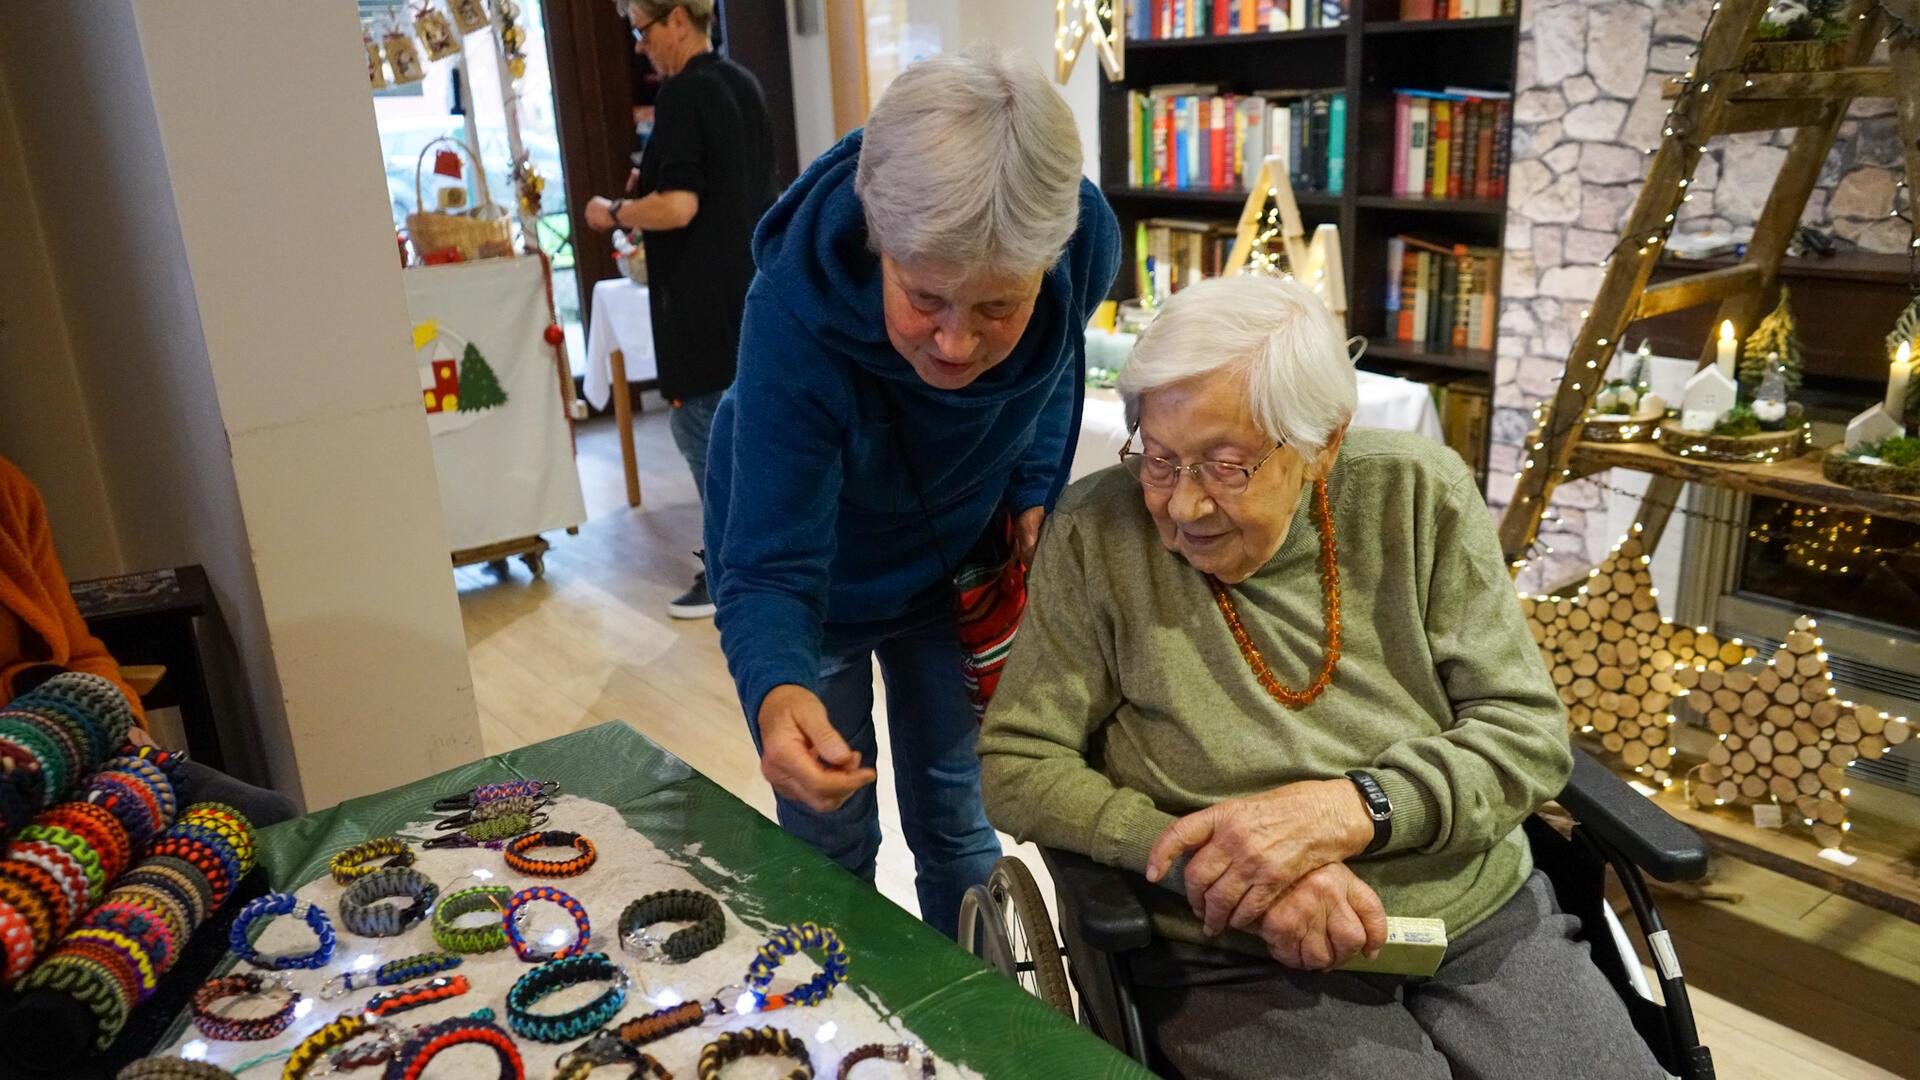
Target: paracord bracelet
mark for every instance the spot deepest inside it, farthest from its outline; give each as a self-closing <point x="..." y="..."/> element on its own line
<point x="530" y="989"/>
<point x="154" y="931"/>
<point x="172" y="1069"/>
<point x="340" y="1031"/>
<point x="434" y="1038"/>
<point x="209" y="861"/>
<point x="673" y="905"/>
<point x="362" y="912"/>
<point x="516" y="857"/>
<point x="93" y="983"/>
<point x="34" y="893"/>
<point x="603" y="1050"/>
<point x="360" y="860"/>
<point x="16" y="939"/>
<point x="132" y="952"/>
<point x="899" y="1052"/>
<point x="226" y="817"/>
<point x="755" y="1042"/>
<point x="178" y="878"/>
<point x="237" y="1029"/>
<point x="61" y="865"/>
<point x="486" y="937"/>
<point x="662" y="1023"/>
<point x="391" y="973"/>
<point x="525" y="950"/>
<point x="269" y="907"/>
<point x="100" y="828"/>
<point x="487" y="811"/>
<point x="509" y="789"/>
<point x="394" y="1002"/>
<point x="75" y="845"/>
<point x="786" y="942"/>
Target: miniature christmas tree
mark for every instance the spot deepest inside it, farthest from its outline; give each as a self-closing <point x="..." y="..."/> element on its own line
<point x="1777" y="337"/>
<point x="479" y="386"/>
<point x="1906" y="330"/>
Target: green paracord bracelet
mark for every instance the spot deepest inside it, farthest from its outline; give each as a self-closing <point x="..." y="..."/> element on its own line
<point x="472" y="939"/>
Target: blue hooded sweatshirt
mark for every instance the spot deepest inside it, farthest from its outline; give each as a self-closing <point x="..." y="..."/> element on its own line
<point x="813" y="526"/>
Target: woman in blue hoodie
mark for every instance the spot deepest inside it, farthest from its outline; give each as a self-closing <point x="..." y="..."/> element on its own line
<point x="910" y="365"/>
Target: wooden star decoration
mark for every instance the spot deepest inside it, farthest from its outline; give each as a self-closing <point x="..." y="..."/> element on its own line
<point x="1785" y="737"/>
<point x="1613" y="658"/>
<point x="1076" y="21"/>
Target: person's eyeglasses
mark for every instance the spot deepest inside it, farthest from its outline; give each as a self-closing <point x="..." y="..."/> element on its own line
<point x="640" y="32"/>
<point x="1217" y="477"/>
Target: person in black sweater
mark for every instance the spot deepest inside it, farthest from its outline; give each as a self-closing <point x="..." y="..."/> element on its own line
<point x="706" y="177"/>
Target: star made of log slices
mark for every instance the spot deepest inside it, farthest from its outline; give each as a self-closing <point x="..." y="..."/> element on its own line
<point x="1785" y="736"/>
<point x="1614" y="659"/>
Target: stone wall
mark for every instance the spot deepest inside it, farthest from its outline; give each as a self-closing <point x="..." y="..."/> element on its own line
<point x="1587" y="105"/>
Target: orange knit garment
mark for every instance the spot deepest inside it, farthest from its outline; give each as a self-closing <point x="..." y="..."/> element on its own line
<point x="39" y="623"/>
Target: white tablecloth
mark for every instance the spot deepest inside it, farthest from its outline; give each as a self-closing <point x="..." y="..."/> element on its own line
<point x="1385" y="402"/>
<point x="621" y="320"/>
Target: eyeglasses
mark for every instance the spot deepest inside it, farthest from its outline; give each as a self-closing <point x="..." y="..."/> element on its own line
<point x="1217" y="477"/>
<point x="640" y="32"/>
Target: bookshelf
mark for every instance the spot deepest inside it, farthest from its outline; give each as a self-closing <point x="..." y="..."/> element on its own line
<point x="1368" y="57"/>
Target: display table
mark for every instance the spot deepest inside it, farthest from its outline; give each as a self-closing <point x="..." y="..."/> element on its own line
<point x="619" y="352"/>
<point x="967" y="1014"/>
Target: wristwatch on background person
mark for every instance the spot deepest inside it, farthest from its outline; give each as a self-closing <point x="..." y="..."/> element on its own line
<point x="1379" y="808"/>
<point x="613" y="211"/>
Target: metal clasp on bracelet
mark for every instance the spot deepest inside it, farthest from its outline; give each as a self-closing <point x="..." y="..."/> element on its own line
<point x="644" y="944"/>
<point x="602" y="1048"/>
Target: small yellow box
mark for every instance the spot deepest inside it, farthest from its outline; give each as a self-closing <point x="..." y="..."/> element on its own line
<point x="1414" y="947"/>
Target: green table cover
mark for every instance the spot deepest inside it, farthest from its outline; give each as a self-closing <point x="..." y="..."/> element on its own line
<point x="964" y="1011"/>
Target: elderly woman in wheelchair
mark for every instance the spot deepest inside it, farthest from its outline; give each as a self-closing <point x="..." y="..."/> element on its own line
<point x="1276" y="666"/>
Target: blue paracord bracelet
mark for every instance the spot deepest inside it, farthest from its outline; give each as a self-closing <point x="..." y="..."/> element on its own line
<point x="271" y="906"/>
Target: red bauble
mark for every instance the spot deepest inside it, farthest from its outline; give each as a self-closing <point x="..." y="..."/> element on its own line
<point x="555" y="335"/>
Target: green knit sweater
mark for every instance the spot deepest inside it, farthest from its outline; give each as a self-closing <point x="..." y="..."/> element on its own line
<point x="1126" y="701"/>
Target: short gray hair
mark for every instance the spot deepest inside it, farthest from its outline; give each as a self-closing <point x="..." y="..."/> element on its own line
<point x="700" y="11"/>
<point x="971" y="159"/>
<point x="1275" y="332"/>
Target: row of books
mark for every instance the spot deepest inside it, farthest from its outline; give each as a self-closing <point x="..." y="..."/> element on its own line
<point x="1413" y="10"/>
<point x="1194" y="138"/>
<point x="1441" y="294"/>
<point x="1452" y="144"/>
<point x="1172" y="254"/>
<point x="1161" y="19"/>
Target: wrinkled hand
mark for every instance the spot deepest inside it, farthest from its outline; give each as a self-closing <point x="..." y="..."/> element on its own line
<point x="1026" y="532"/>
<point x="1248" y="852"/>
<point x="801" y="754"/>
<point x="1323" y="920"/>
<point x="600" y="213"/>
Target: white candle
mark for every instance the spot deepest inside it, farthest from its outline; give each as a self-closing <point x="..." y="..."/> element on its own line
<point x="1729" y="349"/>
<point x="1897" y="378"/>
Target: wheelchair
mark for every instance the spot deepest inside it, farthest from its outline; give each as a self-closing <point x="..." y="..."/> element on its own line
<point x="1103" y="921"/>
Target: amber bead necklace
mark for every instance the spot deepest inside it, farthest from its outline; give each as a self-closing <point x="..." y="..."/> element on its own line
<point x="1330" y="585"/>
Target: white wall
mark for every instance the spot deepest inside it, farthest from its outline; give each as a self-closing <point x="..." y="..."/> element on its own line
<point x="812" y="85"/>
<point x="210" y="189"/>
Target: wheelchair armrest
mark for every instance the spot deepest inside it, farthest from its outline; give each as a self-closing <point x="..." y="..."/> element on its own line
<point x="1099" y="902"/>
<point x="1629" y="823"/>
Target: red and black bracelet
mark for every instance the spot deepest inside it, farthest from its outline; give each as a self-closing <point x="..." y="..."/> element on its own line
<point x="429" y="1041"/>
<point x="517" y="848"/>
<point x="397" y="1001"/>
<point x="242" y="1029"/>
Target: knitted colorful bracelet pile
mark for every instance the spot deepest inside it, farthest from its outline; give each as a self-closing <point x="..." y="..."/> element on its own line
<point x="269" y="907"/>
<point x="52" y="737"/>
<point x="241" y="1029"/>
<point x="900" y="1052"/>
<point x="114" y="957"/>
<point x="508" y="789"/>
<point x="391" y="973"/>
<point x="517" y="858"/>
<point x="172" y="1069"/>
<point x="139" y="794"/>
<point x="360" y="860"/>
<point x="755" y="1042"/>
<point x="340" y="1031"/>
<point x="673" y="905"/>
<point x="486" y="937"/>
<point x="405" y="998"/>
<point x="786" y="942"/>
<point x="424" y="1044"/>
<point x="557" y="975"/>
<point x="525" y="950"/>
<point x="362" y="910"/>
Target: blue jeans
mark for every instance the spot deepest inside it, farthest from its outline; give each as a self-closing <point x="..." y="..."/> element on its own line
<point x="936" y="774"/>
<point x="692" y="427"/>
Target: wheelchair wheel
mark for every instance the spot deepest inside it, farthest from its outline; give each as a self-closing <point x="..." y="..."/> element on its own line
<point x="1005" y="923"/>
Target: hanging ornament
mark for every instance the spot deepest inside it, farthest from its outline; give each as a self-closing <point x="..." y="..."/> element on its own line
<point x="530" y="185"/>
<point x="376" y="71"/>
<point x="513" y="37"/>
<point x="447" y="163"/>
<point x="435" y="32"/>
<point x="468" y="15"/>
<point x="403" y="57"/>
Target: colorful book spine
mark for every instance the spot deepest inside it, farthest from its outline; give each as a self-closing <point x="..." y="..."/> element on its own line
<point x="1439" y="147"/>
<point x="1396" y="256"/>
<point x="1483" y="151"/>
<point x="1502" y="148"/>
<point x="1419" y="136"/>
<point x="1222" y="12"/>
<point x="1337" y="144"/>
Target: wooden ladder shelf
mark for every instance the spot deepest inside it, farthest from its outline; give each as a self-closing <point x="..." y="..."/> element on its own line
<point x="1725" y="100"/>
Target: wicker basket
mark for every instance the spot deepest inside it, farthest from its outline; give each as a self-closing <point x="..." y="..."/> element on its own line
<point x="1790" y="56"/>
<point x="485" y="232"/>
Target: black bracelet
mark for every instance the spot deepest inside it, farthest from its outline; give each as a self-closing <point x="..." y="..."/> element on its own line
<point x="674" y="905"/>
<point x="557" y="975"/>
<point x="755" y="1042"/>
<point x="362" y="911"/>
<point x="900" y="1052"/>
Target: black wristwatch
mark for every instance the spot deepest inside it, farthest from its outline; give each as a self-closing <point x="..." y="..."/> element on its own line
<point x="1379" y="808"/>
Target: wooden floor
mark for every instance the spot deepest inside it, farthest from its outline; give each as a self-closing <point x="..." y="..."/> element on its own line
<point x="1790" y="983"/>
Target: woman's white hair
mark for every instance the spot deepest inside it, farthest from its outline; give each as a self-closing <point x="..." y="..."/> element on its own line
<point x="972" y="159"/>
<point x="1275" y="333"/>
<point x="700" y="11"/>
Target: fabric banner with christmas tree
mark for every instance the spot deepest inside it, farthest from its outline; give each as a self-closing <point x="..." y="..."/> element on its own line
<point x="491" y="396"/>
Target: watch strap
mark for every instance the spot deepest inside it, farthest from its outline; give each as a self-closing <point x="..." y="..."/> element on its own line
<point x="1379" y="808"/>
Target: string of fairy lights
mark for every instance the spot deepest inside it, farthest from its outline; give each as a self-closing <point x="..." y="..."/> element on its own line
<point x="1557" y="418"/>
